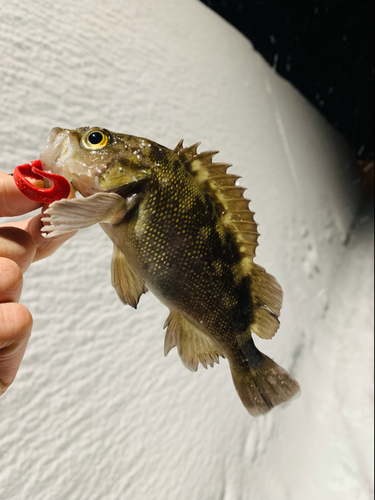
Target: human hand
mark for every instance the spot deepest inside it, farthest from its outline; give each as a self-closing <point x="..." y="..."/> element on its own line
<point x="21" y="243"/>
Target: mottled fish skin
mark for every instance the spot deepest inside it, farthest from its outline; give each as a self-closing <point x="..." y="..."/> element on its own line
<point x="186" y="234"/>
<point x="180" y="248"/>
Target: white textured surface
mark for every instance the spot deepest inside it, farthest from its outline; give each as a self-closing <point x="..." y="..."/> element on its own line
<point x="97" y="412"/>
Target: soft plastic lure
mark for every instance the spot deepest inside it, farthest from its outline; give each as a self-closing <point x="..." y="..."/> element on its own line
<point x="59" y="190"/>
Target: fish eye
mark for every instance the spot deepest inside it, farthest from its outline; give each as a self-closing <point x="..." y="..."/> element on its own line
<point x="95" y="139"/>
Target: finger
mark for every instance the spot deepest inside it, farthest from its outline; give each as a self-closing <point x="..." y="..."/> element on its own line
<point x="11" y="280"/>
<point x="17" y="245"/>
<point x="44" y="246"/>
<point x="12" y="201"/>
<point x="15" y="329"/>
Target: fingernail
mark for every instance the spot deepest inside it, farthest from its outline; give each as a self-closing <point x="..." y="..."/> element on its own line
<point x="2" y="389"/>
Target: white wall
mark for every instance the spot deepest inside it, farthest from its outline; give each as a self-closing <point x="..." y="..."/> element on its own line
<point x="97" y="412"/>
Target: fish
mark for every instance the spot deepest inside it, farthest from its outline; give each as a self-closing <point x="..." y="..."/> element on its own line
<point x="182" y="229"/>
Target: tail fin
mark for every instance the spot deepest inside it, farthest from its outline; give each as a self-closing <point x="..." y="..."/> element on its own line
<point x="264" y="386"/>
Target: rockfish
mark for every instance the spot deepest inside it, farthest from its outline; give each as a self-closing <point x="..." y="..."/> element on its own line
<point x="182" y="229"/>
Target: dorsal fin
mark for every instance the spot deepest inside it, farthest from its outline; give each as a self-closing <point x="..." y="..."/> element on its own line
<point x="234" y="213"/>
<point x="225" y="194"/>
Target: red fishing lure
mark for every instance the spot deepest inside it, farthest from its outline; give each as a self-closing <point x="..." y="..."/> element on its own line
<point x="59" y="190"/>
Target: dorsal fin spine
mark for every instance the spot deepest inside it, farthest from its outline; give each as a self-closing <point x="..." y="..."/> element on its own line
<point x="207" y="155"/>
<point x="225" y="194"/>
<point x="179" y="146"/>
<point x="228" y="178"/>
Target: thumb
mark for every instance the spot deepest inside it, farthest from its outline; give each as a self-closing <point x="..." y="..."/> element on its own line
<point x="16" y="323"/>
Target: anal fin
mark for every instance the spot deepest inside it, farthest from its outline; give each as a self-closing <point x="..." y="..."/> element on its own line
<point x="193" y="345"/>
<point x="125" y="280"/>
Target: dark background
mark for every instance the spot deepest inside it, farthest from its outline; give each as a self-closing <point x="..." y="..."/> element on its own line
<point x="326" y="49"/>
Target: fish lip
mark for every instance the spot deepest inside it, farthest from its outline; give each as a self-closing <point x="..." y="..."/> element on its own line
<point x="53" y="151"/>
<point x="54" y="146"/>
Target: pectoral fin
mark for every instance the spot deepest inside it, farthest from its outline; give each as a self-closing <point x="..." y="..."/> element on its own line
<point x="125" y="280"/>
<point x="66" y="215"/>
<point x="193" y="345"/>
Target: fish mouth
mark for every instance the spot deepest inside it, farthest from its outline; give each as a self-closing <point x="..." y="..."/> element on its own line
<point x="52" y="156"/>
<point x="54" y="185"/>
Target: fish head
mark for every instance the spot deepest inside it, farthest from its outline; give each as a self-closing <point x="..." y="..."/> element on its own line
<point x="94" y="159"/>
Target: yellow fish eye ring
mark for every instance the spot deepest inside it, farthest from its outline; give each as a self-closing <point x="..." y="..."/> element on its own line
<point x="95" y="139"/>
